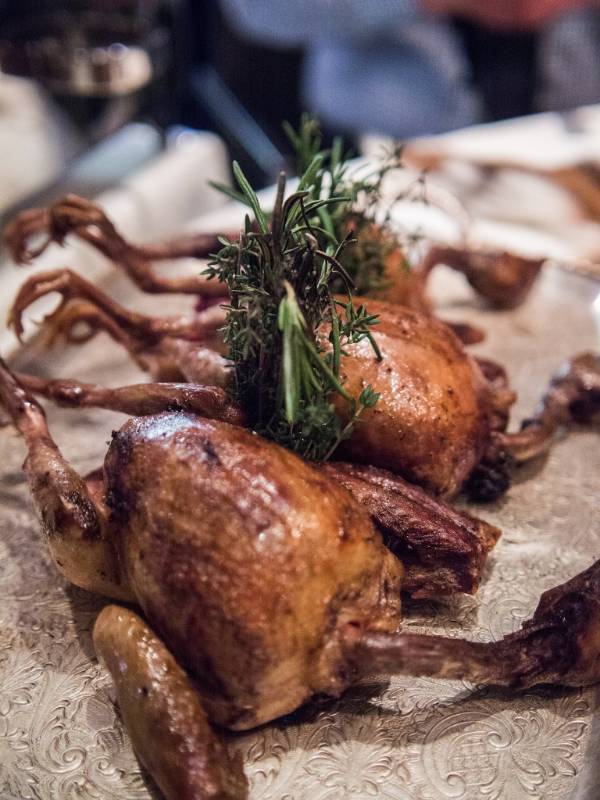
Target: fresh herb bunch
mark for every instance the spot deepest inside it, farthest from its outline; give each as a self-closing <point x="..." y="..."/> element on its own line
<point x="285" y="330"/>
<point x="365" y="258"/>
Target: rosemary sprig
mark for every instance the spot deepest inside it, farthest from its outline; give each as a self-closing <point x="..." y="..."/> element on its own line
<point x="285" y="330"/>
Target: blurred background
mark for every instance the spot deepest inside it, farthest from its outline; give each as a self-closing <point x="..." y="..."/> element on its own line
<point x="91" y="89"/>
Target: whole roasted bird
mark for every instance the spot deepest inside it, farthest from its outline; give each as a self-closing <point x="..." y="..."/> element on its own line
<point x="282" y="586"/>
<point x="444" y="550"/>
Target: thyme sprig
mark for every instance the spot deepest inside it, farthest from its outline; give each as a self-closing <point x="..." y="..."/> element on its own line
<point x="285" y="330"/>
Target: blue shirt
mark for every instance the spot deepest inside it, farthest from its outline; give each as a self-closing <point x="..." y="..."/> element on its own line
<point x="384" y="66"/>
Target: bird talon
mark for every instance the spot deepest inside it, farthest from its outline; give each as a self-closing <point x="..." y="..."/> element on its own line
<point x="70" y="216"/>
<point x="22" y="229"/>
<point x="33" y="289"/>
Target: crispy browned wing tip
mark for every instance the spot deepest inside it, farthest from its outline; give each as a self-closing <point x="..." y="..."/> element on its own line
<point x="443" y="550"/>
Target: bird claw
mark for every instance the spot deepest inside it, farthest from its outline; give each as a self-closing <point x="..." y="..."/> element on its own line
<point x="65" y="323"/>
<point x="72" y="214"/>
<point x="24" y="227"/>
<point x="60" y="281"/>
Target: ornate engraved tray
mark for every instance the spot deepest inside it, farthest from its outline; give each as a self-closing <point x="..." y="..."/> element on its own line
<point x="399" y="739"/>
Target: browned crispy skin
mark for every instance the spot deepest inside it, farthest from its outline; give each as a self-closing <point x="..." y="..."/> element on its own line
<point x="406" y="285"/>
<point x="400" y="283"/>
<point x="73" y="215"/>
<point x="245" y="558"/>
<point x="502" y="396"/>
<point x="443" y="550"/>
<point x="263" y="558"/>
<point x="434" y="416"/>
<point x="163" y="713"/>
<point x="560" y="644"/>
<point x="441" y="415"/>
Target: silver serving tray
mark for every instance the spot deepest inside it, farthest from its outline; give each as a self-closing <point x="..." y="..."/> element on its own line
<point x="399" y="739"/>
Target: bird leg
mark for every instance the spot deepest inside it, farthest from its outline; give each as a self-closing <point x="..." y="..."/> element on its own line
<point x="72" y="510"/>
<point x="560" y="644"/>
<point x="70" y="286"/>
<point x="572" y="397"/>
<point x="78" y="321"/>
<point x="443" y="550"/>
<point x="77" y="216"/>
<point x="503" y="279"/>
<point x="163" y="713"/>
<point x="139" y="399"/>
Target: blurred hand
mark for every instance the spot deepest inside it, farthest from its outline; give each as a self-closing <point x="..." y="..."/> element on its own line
<point x="505" y="14"/>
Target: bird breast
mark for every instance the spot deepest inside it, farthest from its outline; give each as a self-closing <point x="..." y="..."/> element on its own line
<point x="432" y="421"/>
<point x="245" y="560"/>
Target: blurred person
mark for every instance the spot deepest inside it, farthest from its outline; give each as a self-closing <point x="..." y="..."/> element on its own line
<point x="415" y="67"/>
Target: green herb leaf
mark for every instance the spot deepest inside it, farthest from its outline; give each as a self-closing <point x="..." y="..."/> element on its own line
<point x="251" y="197"/>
